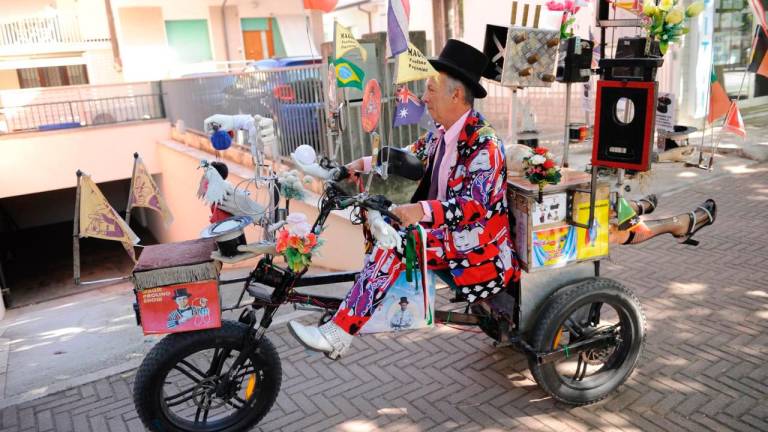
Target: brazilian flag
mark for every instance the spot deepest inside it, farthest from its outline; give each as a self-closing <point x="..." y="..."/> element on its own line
<point x="348" y="75"/>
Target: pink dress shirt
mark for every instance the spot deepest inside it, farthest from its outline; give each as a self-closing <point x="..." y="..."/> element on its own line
<point x="451" y="137"/>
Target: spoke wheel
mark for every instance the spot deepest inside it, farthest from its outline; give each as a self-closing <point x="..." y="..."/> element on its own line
<point x="187" y="383"/>
<point x="597" y="307"/>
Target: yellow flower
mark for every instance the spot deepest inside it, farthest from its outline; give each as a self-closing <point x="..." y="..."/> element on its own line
<point x="694" y="9"/>
<point x="675" y="16"/>
<point x="649" y="7"/>
<point x="666" y="5"/>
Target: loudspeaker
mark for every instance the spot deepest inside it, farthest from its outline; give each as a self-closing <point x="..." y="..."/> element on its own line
<point x="574" y="63"/>
<point x="623" y="139"/>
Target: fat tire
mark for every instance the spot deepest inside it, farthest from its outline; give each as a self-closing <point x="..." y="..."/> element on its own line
<point x="558" y="307"/>
<point x="147" y="388"/>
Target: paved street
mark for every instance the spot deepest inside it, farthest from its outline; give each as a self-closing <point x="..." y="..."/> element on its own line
<point x="704" y="367"/>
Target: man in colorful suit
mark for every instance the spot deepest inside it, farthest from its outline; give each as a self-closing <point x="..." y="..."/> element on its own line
<point x="461" y="201"/>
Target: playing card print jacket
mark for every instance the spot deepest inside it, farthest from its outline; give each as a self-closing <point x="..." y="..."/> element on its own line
<point x="472" y="223"/>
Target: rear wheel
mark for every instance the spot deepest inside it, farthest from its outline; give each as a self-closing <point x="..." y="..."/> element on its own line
<point x="181" y="384"/>
<point x="594" y="308"/>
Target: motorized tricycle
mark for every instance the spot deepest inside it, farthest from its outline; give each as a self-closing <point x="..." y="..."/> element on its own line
<point x="582" y="334"/>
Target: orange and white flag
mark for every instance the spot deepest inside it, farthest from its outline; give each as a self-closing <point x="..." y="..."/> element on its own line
<point x="145" y="193"/>
<point x="734" y="122"/>
<point x="99" y="220"/>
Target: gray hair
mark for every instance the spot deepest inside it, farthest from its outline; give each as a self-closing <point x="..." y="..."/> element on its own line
<point x="453" y="84"/>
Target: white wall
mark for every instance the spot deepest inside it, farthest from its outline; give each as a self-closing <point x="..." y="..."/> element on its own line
<point x="43" y="161"/>
<point x="101" y="67"/>
<point x="14" y="9"/>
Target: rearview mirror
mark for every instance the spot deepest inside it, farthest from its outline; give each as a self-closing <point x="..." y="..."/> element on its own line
<point x="400" y="162"/>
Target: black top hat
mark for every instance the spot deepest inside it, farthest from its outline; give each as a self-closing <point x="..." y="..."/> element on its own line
<point x="181" y="292"/>
<point x="463" y="62"/>
<point x="403" y="300"/>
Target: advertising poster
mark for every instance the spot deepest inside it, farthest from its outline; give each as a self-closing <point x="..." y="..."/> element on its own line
<point x="665" y="112"/>
<point x="552" y="209"/>
<point x="403" y="308"/>
<point x="592" y="243"/>
<point x="553" y="247"/>
<point x="180" y="308"/>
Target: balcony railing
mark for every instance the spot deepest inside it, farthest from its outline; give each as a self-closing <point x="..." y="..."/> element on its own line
<point x="69" y="107"/>
<point x="38" y="31"/>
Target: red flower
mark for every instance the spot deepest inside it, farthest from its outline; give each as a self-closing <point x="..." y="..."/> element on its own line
<point x="540" y="150"/>
<point x="548" y="164"/>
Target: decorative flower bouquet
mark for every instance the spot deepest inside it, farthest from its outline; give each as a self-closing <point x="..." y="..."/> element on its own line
<point x="297" y="243"/>
<point x="666" y="22"/>
<point x="569" y="9"/>
<point x="291" y="186"/>
<point x="540" y="168"/>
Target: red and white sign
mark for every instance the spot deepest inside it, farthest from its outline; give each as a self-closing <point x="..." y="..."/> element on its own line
<point x="180" y="308"/>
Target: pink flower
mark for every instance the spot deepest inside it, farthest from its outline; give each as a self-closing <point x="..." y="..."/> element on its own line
<point x="554" y="6"/>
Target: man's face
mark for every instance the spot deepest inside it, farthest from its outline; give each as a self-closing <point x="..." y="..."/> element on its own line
<point x="403" y="306"/>
<point x="438" y="99"/>
<point x="182" y="302"/>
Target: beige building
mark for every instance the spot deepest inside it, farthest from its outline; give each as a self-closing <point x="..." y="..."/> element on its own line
<point x="47" y="43"/>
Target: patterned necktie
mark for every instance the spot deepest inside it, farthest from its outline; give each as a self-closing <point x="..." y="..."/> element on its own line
<point x="433" y="183"/>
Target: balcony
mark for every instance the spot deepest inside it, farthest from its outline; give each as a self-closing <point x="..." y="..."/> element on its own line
<point x="46" y="34"/>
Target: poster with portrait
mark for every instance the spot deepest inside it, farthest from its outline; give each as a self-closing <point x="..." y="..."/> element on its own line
<point x="551" y="209"/>
<point x="405" y="308"/>
<point x="180" y="308"/>
<point x="553" y="247"/>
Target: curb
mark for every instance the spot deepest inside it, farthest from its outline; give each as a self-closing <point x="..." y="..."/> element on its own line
<point x="101" y="374"/>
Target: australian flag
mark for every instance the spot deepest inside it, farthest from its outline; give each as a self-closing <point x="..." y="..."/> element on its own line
<point x="408" y="107"/>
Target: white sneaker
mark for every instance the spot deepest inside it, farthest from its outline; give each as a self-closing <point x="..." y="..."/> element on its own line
<point x="328" y="338"/>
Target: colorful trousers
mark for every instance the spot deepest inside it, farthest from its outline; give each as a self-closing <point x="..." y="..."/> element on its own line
<point x="381" y="269"/>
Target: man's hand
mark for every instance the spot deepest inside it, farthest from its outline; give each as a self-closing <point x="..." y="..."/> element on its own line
<point x="355" y="168"/>
<point x="409" y="214"/>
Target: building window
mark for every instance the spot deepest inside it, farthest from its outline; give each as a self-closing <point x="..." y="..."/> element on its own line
<point x="52" y="76"/>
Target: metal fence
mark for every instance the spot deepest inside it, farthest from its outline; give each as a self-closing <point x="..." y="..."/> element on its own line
<point x="64" y="107"/>
<point x="89" y="112"/>
<point x="294" y="97"/>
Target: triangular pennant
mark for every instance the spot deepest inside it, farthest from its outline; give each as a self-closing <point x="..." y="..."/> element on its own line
<point x="145" y="193"/>
<point x="344" y="41"/>
<point x="412" y="65"/>
<point x="99" y="220"/>
<point x="758" y="62"/>
<point x="734" y="122"/>
<point x="719" y="102"/>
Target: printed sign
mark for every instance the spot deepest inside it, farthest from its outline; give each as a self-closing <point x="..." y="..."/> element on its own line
<point x="180" y="308"/>
<point x="553" y="247"/>
<point x="665" y="112"/>
<point x="551" y="209"/>
<point x="403" y="308"/>
<point x="371" y="108"/>
<point x="592" y="243"/>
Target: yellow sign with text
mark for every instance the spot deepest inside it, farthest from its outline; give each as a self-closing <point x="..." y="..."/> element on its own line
<point x="593" y="242"/>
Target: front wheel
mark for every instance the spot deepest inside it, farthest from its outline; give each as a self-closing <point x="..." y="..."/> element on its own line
<point x="594" y="308"/>
<point x="182" y="384"/>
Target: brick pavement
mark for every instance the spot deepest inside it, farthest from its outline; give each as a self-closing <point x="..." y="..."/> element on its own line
<point x="704" y="366"/>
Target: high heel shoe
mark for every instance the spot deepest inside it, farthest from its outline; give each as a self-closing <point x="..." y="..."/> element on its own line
<point x="710" y="208"/>
<point x="652" y="202"/>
